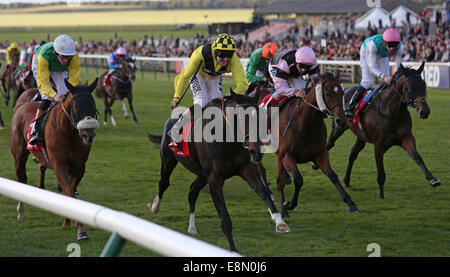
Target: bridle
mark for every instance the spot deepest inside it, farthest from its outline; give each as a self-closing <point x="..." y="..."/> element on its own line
<point x="321" y="104"/>
<point x="71" y="115"/>
<point x="406" y="98"/>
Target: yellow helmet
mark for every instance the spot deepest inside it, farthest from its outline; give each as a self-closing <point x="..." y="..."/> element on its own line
<point x="14" y="45"/>
<point x="224" y="42"/>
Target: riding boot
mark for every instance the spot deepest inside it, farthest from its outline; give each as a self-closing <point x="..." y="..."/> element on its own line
<point x="354" y="101"/>
<point x="35" y="135"/>
<point x="175" y="131"/>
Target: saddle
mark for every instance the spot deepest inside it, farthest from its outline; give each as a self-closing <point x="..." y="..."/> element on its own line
<point x="107" y="80"/>
<point x="363" y="103"/>
<point x="38" y="150"/>
<point x="268" y="100"/>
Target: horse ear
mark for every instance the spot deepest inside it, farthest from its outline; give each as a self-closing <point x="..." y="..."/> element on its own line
<point x="421" y="67"/>
<point x="69" y="86"/>
<point x="93" y="85"/>
<point x="337" y="76"/>
<point x="402" y="69"/>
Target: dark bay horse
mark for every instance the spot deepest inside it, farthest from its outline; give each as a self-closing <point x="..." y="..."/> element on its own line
<point x="7" y="77"/>
<point x="386" y="122"/>
<point x="213" y="163"/>
<point x="69" y="133"/>
<point x="305" y="138"/>
<point x="120" y="87"/>
<point x="23" y="83"/>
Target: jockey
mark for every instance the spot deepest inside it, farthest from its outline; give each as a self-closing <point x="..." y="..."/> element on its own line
<point x="12" y="51"/>
<point x="209" y="62"/>
<point x="375" y="53"/>
<point x="54" y="61"/>
<point x="115" y="60"/>
<point x="287" y="68"/>
<point x="257" y="64"/>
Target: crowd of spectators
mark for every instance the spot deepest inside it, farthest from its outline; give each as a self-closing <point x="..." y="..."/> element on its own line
<point x="419" y="43"/>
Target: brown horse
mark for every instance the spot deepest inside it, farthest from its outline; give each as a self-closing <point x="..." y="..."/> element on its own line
<point x="23" y="83"/>
<point x="69" y="133"/>
<point x="7" y="77"/>
<point x="386" y="122"/>
<point x="302" y="135"/>
<point x="214" y="162"/>
<point x="120" y="88"/>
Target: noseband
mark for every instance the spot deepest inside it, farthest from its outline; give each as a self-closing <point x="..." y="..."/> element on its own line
<point x="322" y="106"/>
<point x="71" y="115"/>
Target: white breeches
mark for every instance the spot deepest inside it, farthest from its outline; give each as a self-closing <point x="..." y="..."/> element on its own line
<point x="206" y="89"/>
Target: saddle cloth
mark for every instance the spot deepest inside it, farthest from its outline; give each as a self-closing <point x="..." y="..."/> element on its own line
<point x="39" y="144"/>
<point x="365" y="99"/>
<point x="107" y="80"/>
<point x="183" y="150"/>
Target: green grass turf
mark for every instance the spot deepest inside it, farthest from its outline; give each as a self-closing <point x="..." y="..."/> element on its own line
<point x="123" y="172"/>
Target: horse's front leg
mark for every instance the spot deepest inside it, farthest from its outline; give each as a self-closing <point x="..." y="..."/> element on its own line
<point x="130" y="103"/>
<point x="379" y="160"/>
<point x="195" y="188"/>
<point x="65" y="182"/>
<point x="41" y="183"/>
<point x="281" y="177"/>
<point x="323" y="162"/>
<point x="409" y="144"/>
<point x="216" y="189"/>
<point x="253" y="177"/>
<point x="290" y="165"/>
<point x="357" y="147"/>
<point x="124" y="108"/>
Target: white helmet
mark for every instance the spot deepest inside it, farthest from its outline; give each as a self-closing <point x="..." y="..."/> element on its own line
<point x="64" y="45"/>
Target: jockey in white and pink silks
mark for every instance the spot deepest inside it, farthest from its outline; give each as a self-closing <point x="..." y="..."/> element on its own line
<point x="374" y="60"/>
<point x="287" y="68"/>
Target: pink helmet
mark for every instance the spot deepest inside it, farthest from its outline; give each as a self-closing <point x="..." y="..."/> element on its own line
<point x="121" y="51"/>
<point x="391" y="35"/>
<point x="305" y="55"/>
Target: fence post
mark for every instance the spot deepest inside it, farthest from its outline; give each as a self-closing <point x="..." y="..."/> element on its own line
<point x="114" y="245"/>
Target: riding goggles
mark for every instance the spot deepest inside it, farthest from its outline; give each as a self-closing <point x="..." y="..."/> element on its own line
<point x="393" y="44"/>
<point x="224" y="54"/>
<point x="304" y="66"/>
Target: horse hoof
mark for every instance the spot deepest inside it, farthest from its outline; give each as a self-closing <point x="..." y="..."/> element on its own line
<point x="127" y="116"/>
<point x="136" y="121"/>
<point x="282" y="228"/>
<point x="435" y="183"/>
<point x="353" y="209"/>
<point x="152" y="209"/>
<point x="20" y="217"/>
<point x="82" y="236"/>
<point x="192" y="230"/>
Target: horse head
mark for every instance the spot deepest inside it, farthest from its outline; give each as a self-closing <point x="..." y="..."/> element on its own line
<point x="329" y="93"/>
<point x="247" y="111"/>
<point x="130" y="68"/>
<point x="413" y="89"/>
<point x="83" y="112"/>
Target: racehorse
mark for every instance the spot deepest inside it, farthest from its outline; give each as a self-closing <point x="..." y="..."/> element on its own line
<point x="386" y="122"/>
<point x="119" y="87"/>
<point x="69" y="133"/>
<point x="302" y="135"/>
<point x="22" y="83"/>
<point x="213" y="163"/>
<point x="7" y="77"/>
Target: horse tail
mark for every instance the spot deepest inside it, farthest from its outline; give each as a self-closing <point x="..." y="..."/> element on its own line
<point x="156" y="139"/>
